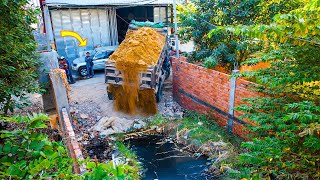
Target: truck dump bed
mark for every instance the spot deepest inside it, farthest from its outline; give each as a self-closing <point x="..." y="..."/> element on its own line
<point x="150" y="78"/>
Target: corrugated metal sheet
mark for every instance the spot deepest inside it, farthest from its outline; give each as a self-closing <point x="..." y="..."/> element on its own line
<point x="106" y="2"/>
<point x="98" y="25"/>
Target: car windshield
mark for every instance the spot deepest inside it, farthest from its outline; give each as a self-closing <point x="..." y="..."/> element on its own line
<point x="109" y="53"/>
<point x="102" y="54"/>
<point x="99" y="55"/>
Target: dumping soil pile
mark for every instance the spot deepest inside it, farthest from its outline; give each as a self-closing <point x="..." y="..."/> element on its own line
<point x="140" y="49"/>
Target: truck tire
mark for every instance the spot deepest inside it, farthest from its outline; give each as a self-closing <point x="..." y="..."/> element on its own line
<point x="159" y="93"/>
<point x="110" y="95"/>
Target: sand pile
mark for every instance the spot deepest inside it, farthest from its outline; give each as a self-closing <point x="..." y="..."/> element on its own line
<point x="140" y="49"/>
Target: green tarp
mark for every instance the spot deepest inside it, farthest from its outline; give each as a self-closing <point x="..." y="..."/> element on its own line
<point x="148" y="24"/>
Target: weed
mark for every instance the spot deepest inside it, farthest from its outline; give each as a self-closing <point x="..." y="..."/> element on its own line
<point x="131" y="158"/>
<point x="125" y="151"/>
<point x="158" y="120"/>
<point x="203" y="129"/>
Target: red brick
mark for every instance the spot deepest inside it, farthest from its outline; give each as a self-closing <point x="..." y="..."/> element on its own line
<point x="210" y="86"/>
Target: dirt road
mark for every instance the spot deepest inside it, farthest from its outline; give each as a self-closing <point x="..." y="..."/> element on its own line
<point x="89" y="100"/>
<point x="89" y="96"/>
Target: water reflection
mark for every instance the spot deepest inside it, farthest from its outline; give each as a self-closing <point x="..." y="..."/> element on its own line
<point x="163" y="160"/>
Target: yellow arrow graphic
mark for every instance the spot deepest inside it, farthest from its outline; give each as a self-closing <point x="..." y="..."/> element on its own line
<point x="83" y="42"/>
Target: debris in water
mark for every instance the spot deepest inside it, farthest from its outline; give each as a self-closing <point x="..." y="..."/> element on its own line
<point x="164" y="160"/>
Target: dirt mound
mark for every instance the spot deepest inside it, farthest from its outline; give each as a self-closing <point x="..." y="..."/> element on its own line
<point x="140" y="49"/>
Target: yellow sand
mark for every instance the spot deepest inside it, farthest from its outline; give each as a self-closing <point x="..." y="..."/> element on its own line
<point x="140" y="49"/>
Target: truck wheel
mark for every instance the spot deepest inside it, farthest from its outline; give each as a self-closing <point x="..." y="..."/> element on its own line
<point x="83" y="71"/>
<point x="110" y="95"/>
<point x="159" y="92"/>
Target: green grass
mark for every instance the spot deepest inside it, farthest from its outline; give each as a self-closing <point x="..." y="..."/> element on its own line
<point x="125" y="151"/>
<point x="204" y="129"/>
<point x="158" y="120"/>
<point x="201" y="128"/>
<point x="131" y="157"/>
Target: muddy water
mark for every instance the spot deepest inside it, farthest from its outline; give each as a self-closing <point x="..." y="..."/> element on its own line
<point x="163" y="160"/>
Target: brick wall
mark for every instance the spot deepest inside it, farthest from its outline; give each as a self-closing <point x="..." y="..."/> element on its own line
<point x="71" y="141"/>
<point x="208" y="91"/>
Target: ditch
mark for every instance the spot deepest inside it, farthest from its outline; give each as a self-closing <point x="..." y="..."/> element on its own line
<point x="161" y="158"/>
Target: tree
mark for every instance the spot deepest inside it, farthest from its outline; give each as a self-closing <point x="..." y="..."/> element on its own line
<point x="199" y="18"/>
<point x="286" y="142"/>
<point x="19" y="61"/>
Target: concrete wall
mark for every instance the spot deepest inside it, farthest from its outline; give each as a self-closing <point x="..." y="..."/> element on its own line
<point x="208" y="91"/>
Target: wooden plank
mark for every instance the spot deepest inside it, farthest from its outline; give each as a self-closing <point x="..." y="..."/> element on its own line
<point x="113" y="75"/>
<point x="111" y="68"/>
<point x="145" y="79"/>
<point x="114" y="82"/>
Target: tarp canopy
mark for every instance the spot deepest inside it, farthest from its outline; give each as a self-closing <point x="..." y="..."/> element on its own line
<point x="107" y="2"/>
<point x="148" y="24"/>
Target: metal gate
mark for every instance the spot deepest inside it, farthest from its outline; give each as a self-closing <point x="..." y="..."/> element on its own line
<point x="96" y="24"/>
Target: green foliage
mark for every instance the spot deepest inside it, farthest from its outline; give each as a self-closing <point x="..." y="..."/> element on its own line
<point x="202" y="129"/>
<point x="28" y="154"/>
<point x="286" y="137"/>
<point x="125" y="151"/>
<point x="19" y="62"/>
<point x="202" y="16"/>
<point x="291" y="138"/>
<point x="131" y="160"/>
<point x="158" y="120"/>
<point x="109" y="171"/>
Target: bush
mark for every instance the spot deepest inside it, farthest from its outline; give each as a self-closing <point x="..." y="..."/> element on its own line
<point x="286" y="137"/>
<point x="26" y="153"/>
<point x="19" y="61"/>
<point x="198" y="18"/>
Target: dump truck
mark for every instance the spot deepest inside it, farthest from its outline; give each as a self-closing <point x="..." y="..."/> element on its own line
<point x="153" y="78"/>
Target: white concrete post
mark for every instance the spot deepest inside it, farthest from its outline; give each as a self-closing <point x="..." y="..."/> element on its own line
<point x="49" y="33"/>
<point x="176" y="27"/>
<point x="231" y="101"/>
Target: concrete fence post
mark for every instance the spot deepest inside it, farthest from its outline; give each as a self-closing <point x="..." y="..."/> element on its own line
<point x="48" y="26"/>
<point x="231" y="101"/>
<point x="60" y="94"/>
<point x="49" y="61"/>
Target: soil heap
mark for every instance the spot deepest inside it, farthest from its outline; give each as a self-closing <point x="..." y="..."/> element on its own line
<point x="140" y="49"/>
